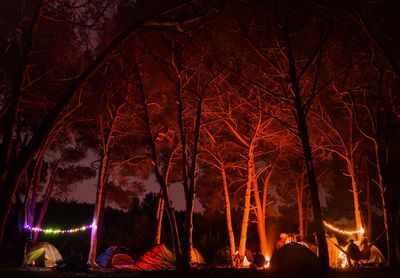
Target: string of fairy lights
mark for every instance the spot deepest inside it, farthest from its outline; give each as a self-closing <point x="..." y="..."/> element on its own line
<point x="345" y="232"/>
<point x="93" y="226"/>
<point x="60" y="231"/>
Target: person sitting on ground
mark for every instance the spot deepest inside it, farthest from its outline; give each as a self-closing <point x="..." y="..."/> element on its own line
<point x="365" y="249"/>
<point x="353" y="253"/>
<point x="283" y="239"/>
<point x="259" y="259"/>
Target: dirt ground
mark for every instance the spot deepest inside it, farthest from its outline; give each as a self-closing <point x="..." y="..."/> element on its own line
<point x="214" y="273"/>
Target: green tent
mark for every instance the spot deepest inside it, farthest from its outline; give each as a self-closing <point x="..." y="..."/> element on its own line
<point x="43" y="254"/>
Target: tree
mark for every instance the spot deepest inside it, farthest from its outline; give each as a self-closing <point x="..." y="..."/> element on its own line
<point x="343" y="141"/>
<point x="288" y="72"/>
<point x="13" y="167"/>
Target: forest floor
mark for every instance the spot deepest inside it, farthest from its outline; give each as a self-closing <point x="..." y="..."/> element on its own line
<point x="214" y="273"/>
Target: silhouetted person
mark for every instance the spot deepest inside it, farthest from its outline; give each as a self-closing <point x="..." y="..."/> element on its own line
<point x="353" y="253"/>
<point x="259" y="259"/>
<point x="283" y="239"/>
<point x="365" y="249"/>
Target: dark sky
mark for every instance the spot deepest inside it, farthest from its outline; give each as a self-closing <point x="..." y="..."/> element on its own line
<point x="86" y="192"/>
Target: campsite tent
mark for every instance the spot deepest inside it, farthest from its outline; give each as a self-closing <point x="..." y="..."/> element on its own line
<point x="294" y="256"/>
<point x="43" y="254"/>
<point x="157" y="258"/>
<point x="115" y="256"/>
<point x="161" y="258"/>
<point x="376" y="257"/>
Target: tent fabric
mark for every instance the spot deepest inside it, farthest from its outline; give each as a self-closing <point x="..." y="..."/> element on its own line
<point x="197" y="257"/>
<point x="115" y="256"/>
<point x="157" y="258"/>
<point x="43" y="254"/>
<point x="376" y="257"/>
<point x="333" y="251"/>
<point x="294" y="256"/>
<point x="161" y="258"/>
<point x="121" y="260"/>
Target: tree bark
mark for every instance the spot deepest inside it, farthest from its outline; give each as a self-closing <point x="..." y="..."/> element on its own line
<point x="155" y="161"/>
<point x="246" y="206"/>
<point x="228" y="216"/>
<point x="302" y="127"/>
<point x="369" y="205"/>
<point x="159" y="218"/>
<point x="98" y="209"/>
<point x="356" y="200"/>
<point x="262" y="233"/>
<point x="46" y="198"/>
<point x="300" y="206"/>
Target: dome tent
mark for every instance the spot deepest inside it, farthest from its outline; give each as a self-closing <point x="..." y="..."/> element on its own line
<point x="293" y="257"/>
<point x="161" y="258"/>
<point x="43" y="254"/>
<point x="115" y="256"/>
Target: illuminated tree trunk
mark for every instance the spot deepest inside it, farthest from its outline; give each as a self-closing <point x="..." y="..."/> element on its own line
<point x="345" y="150"/>
<point x="46" y="198"/>
<point x="265" y="193"/>
<point x="159" y="218"/>
<point x="98" y="210"/>
<point x="300" y="206"/>
<point x="356" y="200"/>
<point x="220" y="165"/>
<point x="246" y="205"/>
<point x="33" y="190"/>
<point x="231" y="235"/>
<point x="192" y="175"/>
<point x="262" y="233"/>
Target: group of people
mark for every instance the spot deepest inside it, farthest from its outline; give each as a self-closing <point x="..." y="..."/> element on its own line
<point x="356" y="254"/>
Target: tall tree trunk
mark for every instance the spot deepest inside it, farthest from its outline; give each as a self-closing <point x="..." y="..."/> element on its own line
<point x="300" y="206"/>
<point x="35" y="190"/>
<point x="46" y="198"/>
<point x="265" y="193"/>
<point x="191" y="192"/>
<point x="369" y="205"/>
<point x="356" y="199"/>
<point x="246" y="206"/>
<point x="302" y="127"/>
<point x="187" y="241"/>
<point x="228" y="216"/>
<point x="385" y="199"/>
<point x="159" y="218"/>
<point x="98" y="209"/>
<point x="155" y="161"/>
<point x="262" y="233"/>
<point x="188" y="233"/>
